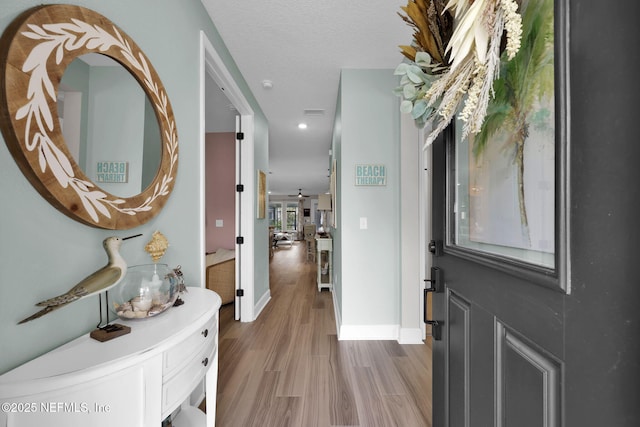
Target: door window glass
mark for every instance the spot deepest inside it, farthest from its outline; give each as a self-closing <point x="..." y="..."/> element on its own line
<point x="505" y="196"/>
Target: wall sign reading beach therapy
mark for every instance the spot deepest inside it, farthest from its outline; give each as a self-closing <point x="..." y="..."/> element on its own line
<point x="112" y="172"/>
<point x="373" y="175"/>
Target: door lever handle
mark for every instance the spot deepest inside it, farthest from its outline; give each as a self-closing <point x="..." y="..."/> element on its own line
<point x="436" y="281"/>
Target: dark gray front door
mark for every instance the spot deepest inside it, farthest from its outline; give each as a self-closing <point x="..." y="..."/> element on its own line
<point x="525" y="345"/>
<point x="500" y="359"/>
<point x="500" y="203"/>
<point x="515" y="351"/>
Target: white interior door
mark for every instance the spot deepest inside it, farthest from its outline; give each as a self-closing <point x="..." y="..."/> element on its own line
<point x="239" y="197"/>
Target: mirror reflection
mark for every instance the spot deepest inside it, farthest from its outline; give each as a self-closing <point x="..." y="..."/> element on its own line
<point x="109" y="125"/>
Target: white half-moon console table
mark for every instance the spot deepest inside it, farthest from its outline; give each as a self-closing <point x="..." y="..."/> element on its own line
<point x="134" y="380"/>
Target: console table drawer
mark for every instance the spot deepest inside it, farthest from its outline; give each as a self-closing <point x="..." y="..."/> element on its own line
<point x="176" y="389"/>
<point x="324" y="244"/>
<point x="177" y="356"/>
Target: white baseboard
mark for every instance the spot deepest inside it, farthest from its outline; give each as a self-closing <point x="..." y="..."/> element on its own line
<point x="369" y="332"/>
<point x="410" y="336"/>
<point x="375" y="332"/>
<point x="337" y="313"/>
<point x="260" y="305"/>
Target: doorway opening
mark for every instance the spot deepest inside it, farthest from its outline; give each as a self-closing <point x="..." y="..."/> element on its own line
<point x="227" y="220"/>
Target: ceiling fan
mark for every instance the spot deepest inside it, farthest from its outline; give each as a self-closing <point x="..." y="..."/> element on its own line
<point x="299" y="195"/>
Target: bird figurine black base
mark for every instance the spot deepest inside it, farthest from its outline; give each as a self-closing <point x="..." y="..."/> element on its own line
<point x="109" y="332"/>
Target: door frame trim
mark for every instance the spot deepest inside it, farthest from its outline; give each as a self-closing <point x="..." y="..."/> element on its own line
<point x="424" y="189"/>
<point x="212" y="64"/>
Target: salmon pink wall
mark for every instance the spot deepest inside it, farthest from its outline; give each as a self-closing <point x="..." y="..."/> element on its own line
<point x="220" y="185"/>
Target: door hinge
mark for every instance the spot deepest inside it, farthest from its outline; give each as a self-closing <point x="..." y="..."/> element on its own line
<point x="436" y="247"/>
<point x="239" y="292"/>
<point x="240" y="136"/>
<point x="239" y="240"/>
<point x="239" y="188"/>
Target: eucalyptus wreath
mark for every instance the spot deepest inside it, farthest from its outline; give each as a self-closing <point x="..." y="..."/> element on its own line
<point x="454" y="59"/>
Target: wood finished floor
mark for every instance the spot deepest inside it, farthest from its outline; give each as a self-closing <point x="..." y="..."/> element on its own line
<point x="288" y="368"/>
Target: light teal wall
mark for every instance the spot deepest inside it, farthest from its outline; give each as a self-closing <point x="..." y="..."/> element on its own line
<point x="261" y="226"/>
<point x="76" y="77"/>
<point x="152" y="153"/>
<point x="112" y="129"/>
<point x="44" y="253"/>
<point x="369" y="260"/>
<point x="336" y="233"/>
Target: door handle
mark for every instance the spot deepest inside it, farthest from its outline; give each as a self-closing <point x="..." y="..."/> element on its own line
<point x="436" y="286"/>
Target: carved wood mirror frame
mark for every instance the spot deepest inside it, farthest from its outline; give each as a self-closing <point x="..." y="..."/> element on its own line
<point x="35" y="50"/>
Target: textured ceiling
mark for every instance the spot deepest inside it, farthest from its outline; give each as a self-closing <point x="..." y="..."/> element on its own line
<point x="301" y="46"/>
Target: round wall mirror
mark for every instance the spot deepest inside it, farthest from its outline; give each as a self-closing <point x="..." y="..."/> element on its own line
<point x="111" y="167"/>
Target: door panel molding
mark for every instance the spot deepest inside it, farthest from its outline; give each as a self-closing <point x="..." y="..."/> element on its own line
<point x="458" y="382"/>
<point x="537" y="392"/>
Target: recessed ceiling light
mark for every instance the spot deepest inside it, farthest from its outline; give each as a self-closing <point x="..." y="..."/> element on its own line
<point x="267" y="84"/>
<point x="302" y="125"/>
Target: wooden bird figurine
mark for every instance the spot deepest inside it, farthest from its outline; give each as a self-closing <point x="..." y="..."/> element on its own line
<point x="102" y="280"/>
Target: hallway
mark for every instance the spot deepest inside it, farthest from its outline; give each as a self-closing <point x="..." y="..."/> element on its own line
<point x="288" y="368"/>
